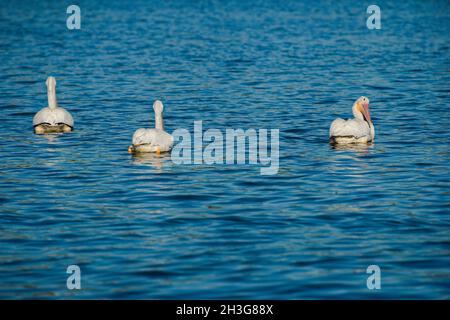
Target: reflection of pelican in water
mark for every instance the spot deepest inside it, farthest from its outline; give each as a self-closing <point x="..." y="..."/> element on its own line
<point x="350" y="161"/>
<point x="359" y="148"/>
<point x="151" y="159"/>
<point x="51" y="138"/>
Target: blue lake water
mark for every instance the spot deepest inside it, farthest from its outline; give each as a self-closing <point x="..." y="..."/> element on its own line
<point x="143" y="227"/>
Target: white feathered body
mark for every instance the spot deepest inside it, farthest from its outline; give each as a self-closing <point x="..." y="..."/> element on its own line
<point x="53" y="117"/>
<point x="351" y="131"/>
<point x="152" y="140"/>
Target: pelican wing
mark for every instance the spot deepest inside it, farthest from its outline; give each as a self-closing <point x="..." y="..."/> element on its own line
<point x="351" y="127"/>
<point x="143" y="136"/>
<point x="153" y="137"/>
<point x="53" y="117"/>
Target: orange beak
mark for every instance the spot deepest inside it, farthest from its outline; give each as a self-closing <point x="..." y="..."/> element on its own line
<point x="366" y="112"/>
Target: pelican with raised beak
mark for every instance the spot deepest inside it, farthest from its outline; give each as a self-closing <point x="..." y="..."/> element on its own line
<point x="357" y="130"/>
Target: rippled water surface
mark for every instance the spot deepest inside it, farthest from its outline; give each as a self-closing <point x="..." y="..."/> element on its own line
<point x="143" y="227"/>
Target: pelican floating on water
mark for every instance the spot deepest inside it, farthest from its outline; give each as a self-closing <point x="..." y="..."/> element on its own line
<point x="52" y="119"/>
<point x="152" y="140"/>
<point x="357" y="130"/>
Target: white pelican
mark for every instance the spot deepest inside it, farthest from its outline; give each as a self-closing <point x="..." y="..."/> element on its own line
<point x="52" y="119"/>
<point x="152" y="140"/>
<point x="357" y="130"/>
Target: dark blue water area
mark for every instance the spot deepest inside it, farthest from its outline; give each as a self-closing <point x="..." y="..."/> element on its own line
<point x="145" y="227"/>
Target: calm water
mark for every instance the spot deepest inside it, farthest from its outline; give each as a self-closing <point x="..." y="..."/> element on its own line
<point x="147" y="228"/>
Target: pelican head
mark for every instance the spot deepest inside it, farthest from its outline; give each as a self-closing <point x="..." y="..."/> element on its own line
<point x="51" y="92"/>
<point x="159" y="122"/>
<point x="158" y="107"/>
<point x="361" y="109"/>
<point x="51" y="82"/>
